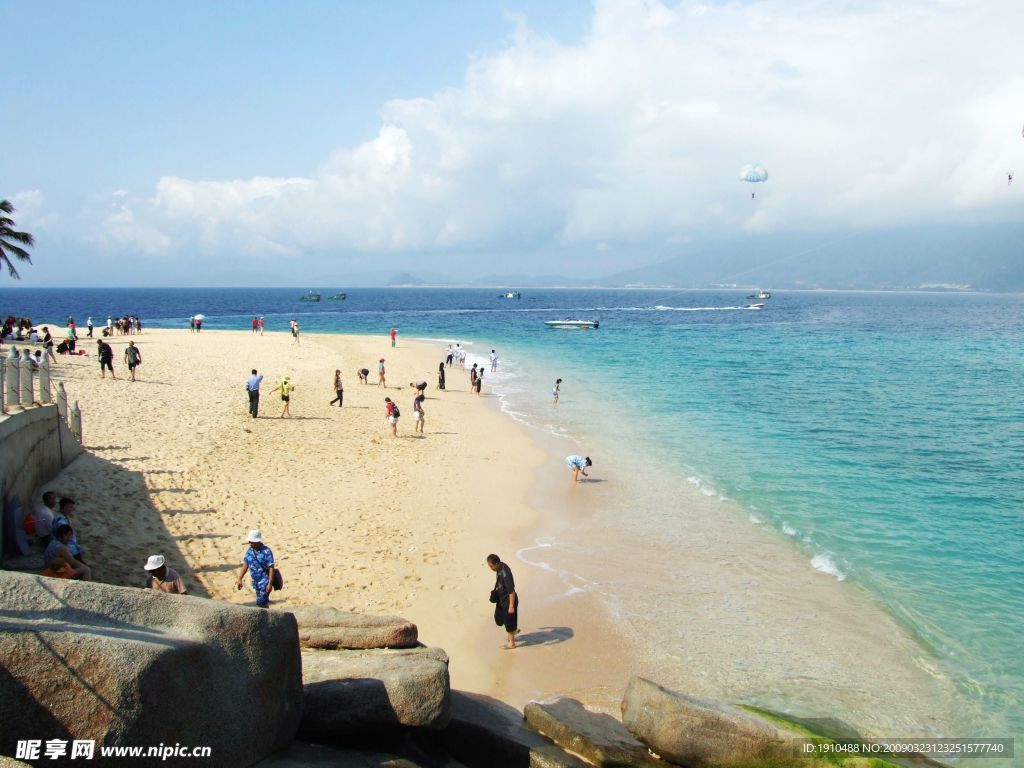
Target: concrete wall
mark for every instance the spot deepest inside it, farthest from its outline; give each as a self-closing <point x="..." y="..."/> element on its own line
<point x="35" y="445"/>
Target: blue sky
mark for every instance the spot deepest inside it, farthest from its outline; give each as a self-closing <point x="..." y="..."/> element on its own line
<point x="254" y="142"/>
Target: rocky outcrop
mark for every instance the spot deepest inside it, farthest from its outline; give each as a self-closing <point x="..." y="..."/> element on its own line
<point x="699" y="732"/>
<point x="598" y="738"/>
<point x="347" y="692"/>
<point x="134" y="667"/>
<point x="330" y="628"/>
<point x="302" y="754"/>
<point x="485" y="733"/>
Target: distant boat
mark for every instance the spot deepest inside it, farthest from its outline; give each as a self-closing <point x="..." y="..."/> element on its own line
<point x="510" y="295"/>
<point x="574" y="324"/>
<point x="337" y="297"/>
<point x="753" y="306"/>
<point x="310" y="297"/>
<point x="761" y="294"/>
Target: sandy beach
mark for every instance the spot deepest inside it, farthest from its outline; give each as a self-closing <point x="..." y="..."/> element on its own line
<point x="363" y="521"/>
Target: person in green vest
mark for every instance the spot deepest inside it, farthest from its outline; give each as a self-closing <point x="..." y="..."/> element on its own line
<point x="286" y="388"/>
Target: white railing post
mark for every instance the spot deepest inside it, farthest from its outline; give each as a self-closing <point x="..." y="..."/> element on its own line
<point x="13" y="377"/>
<point x="3" y="386"/>
<point x="76" y="421"/>
<point x="44" y="381"/>
<point x="62" y="401"/>
<point x="28" y="395"/>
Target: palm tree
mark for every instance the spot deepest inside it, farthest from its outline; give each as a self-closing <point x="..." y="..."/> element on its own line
<point x="8" y="238"/>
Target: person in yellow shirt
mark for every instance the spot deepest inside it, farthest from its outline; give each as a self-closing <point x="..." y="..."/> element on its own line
<point x="286" y="388"/>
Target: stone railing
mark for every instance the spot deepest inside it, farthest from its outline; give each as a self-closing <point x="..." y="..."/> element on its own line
<point x="25" y="384"/>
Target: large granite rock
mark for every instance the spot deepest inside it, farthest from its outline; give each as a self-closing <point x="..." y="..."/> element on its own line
<point x="330" y="628"/>
<point x="598" y="738"/>
<point x="302" y="754"/>
<point x="699" y="732"/>
<point x="134" y="667"/>
<point x="347" y="692"/>
<point x="486" y="733"/>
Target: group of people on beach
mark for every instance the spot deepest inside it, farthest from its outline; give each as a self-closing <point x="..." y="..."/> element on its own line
<point x="50" y="528"/>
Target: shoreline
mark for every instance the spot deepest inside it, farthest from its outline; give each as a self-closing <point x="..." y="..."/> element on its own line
<point x="434" y="576"/>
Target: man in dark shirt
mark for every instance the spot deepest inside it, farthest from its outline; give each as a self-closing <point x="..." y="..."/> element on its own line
<point x="106" y="355"/>
<point x="506" y="609"/>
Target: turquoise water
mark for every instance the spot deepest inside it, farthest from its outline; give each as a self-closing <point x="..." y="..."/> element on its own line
<point x="883" y="433"/>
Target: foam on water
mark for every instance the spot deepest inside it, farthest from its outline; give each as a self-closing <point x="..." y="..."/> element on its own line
<point x="827" y="564"/>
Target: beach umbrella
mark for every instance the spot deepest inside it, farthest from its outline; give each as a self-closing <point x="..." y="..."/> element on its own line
<point x="200" y="317"/>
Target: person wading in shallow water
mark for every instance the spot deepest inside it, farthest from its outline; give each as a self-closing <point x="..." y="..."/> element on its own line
<point x="505" y="599"/>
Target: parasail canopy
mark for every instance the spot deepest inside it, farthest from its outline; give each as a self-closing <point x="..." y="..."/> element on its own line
<point x="753" y="172"/>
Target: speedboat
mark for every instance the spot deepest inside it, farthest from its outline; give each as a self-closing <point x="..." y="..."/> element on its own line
<point x="761" y="294"/>
<point x="510" y="295"/>
<point x="576" y="324"/>
<point x="337" y="297"/>
<point x="753" y="306"/>
<point x="310" y="297"/>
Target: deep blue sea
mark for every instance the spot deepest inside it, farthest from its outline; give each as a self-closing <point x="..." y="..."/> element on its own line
<point x="882" y="432"/>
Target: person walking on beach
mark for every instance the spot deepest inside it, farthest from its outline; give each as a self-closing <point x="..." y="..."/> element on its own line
<point x="259" y="562"/>
<point x="339" y="388"/>
<point x="556" y="391"/>
<point x="252" y="387"/>
<point x="505" y="599"/>
<point x="472" y="378"/>
<point x="364" y="375"/>
<point x="160" y="578"/>
<point x="286" y="388"/>
<point x="578" y="465"/>
<point x="133" y="357"/>
<point x="440" y="374"/>
<point x="392" y="414"/>
<point x="106" y="358"/>
<point x="419" y="415"/>
<point x="479" y="380"/>
<point x="295" y="332"/>
<point x="494" y="361"/>
<point x="393" y="334"/>
<point x="199" y="325"/>
<point x="48" y="344"/>
<point x="380" y="374"/>
<point x="110" y="326"/>
<point x="88" y="326"/>
<point x="448" y="357"/>
<point x="192" y="324"/>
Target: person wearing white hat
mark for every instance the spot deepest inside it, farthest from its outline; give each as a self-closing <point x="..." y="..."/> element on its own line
<point x="286" y="388"/>
<point x="161" y="578"/>
<point x="259" y="562"/>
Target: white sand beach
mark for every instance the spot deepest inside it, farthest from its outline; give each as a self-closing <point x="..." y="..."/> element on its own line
<point x="363" y="521"/>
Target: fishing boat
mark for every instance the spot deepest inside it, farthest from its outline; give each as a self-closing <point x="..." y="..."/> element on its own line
<point x="574" y="324"/>
<point x="310" y="297"/>
<point x="337" y="297"/>
<point x="510" y="295"/>
<point x="761" y="294"/>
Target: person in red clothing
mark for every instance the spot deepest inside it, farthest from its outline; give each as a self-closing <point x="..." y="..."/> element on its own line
<point x="394" y="333"/>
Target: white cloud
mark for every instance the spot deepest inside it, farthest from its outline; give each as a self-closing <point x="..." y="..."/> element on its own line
<point x="867" y="114"/>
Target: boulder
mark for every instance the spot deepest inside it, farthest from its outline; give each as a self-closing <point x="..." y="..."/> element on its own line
<point x="10" y="762"/>
<point x="302" y="754"/>
<point x="330" y="628"/>
<point x="698" y="732"/>
<point x="486" y="733"/>
<point x="598" y="738"/>
<point x="346" y="692"/>
<point x="135" y="667"/>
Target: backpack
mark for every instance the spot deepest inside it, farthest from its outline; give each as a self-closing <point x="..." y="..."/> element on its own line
<point x="394" y="411"/>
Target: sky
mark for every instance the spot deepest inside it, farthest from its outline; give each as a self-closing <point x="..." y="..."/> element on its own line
<point x="314" y="142"/>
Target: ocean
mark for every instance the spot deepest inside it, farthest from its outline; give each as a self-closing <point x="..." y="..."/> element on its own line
<point x="882" y="434"/>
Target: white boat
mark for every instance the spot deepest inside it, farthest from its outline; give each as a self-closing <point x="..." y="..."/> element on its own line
<point x="510" y="295"/>
<point x="753" y="306"/>
<point x="582" y="324"/>
<point x="761" y="294"/>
